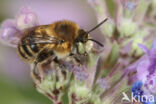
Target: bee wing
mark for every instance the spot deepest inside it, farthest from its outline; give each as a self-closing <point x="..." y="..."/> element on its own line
<point x="40" y="40"/>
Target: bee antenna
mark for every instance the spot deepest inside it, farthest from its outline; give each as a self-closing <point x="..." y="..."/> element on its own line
<point x="98" y="25"/>
<point x="96" y="42"/>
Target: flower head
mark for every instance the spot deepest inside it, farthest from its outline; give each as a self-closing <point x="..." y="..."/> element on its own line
<point x="146" y="70"/>
<point x="137" y="89"/>
<point x="26" y="19"/>
<point x="80" y="73"/>
<point x="148" y="65"/>
<point x="12" y="28"/>
<point x="9" y="32"/>
<point x="103" y="84"/>
<point x="140" y="94"/>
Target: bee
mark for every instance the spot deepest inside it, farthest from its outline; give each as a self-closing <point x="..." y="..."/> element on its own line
<point x="55" y="41"/>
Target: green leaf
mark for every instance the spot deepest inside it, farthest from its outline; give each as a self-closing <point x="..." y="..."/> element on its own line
<point x="65" y="98"/>
<point x="111" y="60"/>
<point x="112" y="57"/>
<point x="111" y="7"/>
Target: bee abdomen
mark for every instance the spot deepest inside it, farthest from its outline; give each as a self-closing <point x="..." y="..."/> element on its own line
<point x="28" y="51"/>
<point x="22" y="53"/>
<point x="26" y="48"/>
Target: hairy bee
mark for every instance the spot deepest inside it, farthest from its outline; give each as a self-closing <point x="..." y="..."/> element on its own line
<point x="55" y="40"/>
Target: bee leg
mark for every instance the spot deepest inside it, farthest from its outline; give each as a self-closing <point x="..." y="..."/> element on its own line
<point x="61" y="66"/>
<point x="77" y="59"/>
<point x="84" y="54"/>
<point x="43" y="55"/>
<point x="71" y="54"/>
<point x="35" y="71"/>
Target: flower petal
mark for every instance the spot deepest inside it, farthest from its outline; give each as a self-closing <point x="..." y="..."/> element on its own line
<point x="103" y="83"/>
<point x="152" y="54"/>
<point x="142" y="70"/>
<point x="144" y="48"/>
<point x="26" y="19"/>
<point x="154" y="43"/>
<point x="130" y="5"/>
<point x="9" y="33"/>
<point x="80" y="74"/>
<point x="151" y="83"/>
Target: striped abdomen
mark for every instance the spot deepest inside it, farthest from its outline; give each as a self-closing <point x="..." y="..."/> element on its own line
<point x="28" y="50"/>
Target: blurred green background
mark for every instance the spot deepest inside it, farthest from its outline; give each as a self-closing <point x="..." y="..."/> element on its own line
<point x="16" y="86"/>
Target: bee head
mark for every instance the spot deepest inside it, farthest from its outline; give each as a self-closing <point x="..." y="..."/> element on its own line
<point x="82" y="36"/>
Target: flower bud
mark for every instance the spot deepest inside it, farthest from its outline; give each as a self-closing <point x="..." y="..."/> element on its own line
<point x="26" y="19"/>
<point x="108" y="28"/>
<point x="127" y="27"/>
<point x="9" y="33"/>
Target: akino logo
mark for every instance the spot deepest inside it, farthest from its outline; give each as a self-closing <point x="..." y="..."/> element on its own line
<point x="144" y="98"/>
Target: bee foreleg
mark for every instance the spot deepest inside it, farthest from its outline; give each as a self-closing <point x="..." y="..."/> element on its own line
<point x="76" y="57"/>
<point x="59" y="63"/>
<point x="43" y="55"/>
<point x="35" y="71"/>
<point x="77" y="50"/>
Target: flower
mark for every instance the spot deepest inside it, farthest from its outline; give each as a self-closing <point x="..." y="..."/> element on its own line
<point x="124" y="24"/>
<point x="9" y="32"/>
<point x="140" y="95"/>
<point x="129" y="4"/>
<point x="26" y="19"/>
<point x="137" y="90"/>
<point x="146" y="70"/>
<point x="148" y="65"/>
<point x="99" y="73"/>
<point x="127" y="29"/>
<point x="11" y="28"/>
<point x="80" y="73"/>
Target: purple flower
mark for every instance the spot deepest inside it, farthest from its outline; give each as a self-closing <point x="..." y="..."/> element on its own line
<point x="137" y="90"/>
<point x="150" y="83"/>
<point x="8" y="32"/>
<point x="146" y="70"/>
<point x="80" y="73"/>
<point x="129" y="4"/>
<point x="151" y="60"/>
<point x="11" y="28"/>
<point x="103" y="84"/>
<point x="142" y="71"/>
<point x="26" y="19"/>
